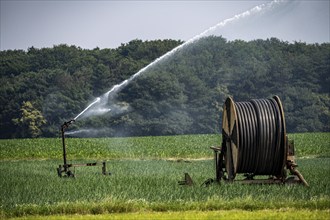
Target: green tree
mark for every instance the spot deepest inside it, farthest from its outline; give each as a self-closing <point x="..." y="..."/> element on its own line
<point x="30" y="121"/>
<point x="183" y="93"/>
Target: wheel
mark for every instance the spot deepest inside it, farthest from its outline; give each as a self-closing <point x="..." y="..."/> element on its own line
<point x="230" y="135"/>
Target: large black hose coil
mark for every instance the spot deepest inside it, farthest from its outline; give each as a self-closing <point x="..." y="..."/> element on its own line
<point x="255" y="137"/>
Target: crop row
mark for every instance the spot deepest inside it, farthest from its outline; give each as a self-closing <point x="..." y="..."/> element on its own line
<point x="32" y="187"/>
<point x="132" y="147"/>
<point x="184" y="146"/>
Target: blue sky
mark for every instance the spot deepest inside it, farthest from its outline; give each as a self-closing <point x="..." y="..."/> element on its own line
<point x="108" y="24"/>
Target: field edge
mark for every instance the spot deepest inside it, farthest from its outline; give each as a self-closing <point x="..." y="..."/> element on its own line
<point x="225" y="214"/>
<point x="120" y="207"/>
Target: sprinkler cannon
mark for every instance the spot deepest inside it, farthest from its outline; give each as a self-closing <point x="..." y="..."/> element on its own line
<point x="64" y="170"/>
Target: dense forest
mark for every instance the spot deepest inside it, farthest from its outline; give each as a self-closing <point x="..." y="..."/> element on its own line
<point x="183" y="94"/>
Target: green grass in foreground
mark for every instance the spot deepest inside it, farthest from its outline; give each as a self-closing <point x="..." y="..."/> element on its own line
<point x="144" y="180"/>
<point x="33" y="188"/>
<point x="291" y="214"/>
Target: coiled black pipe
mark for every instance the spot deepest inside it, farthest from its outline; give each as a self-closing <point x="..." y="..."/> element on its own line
<point x="260" y="128"/>
<point x="260" y="133"/>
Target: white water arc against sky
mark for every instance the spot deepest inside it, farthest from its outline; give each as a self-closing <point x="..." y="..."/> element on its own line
<point x="101" y="101"/>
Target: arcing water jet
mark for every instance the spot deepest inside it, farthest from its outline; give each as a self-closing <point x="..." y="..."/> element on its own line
<point x="99" y="105"/>
<point x="95" y="101"/>
<point x="103" y="100"/>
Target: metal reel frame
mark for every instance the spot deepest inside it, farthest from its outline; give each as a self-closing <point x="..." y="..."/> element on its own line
<point x="225" y="157"/>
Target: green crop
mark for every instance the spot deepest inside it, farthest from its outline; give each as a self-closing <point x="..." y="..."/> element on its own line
<point x="311" y="144"/>
<point x="181" y="146"/>
<point x="32" y="187"/>
<point x="144" y="177"/>
<point x="184" y="146"/>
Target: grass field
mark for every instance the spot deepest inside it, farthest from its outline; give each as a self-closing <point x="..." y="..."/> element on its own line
<point x="192" y="146"/>
<point x="291" y="214"/>
<point x="144" y="181"/>
<point x="183" y="146"/>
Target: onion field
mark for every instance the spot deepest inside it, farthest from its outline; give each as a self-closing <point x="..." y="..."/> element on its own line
<point x="144" y="179"/>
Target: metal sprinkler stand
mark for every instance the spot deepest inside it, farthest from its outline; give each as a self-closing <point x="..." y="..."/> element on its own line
<point x="63" y="170"/>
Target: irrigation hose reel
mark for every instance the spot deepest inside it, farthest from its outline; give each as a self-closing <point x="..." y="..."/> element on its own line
<point x="254" y="142"/>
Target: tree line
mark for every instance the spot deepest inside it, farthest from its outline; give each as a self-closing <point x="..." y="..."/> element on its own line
<point x="183" y="94"/>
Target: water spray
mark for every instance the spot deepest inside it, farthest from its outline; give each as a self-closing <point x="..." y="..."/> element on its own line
<point x="254" y="11"/>
<point x="102" y="101"/>
<point x="96" y="100"/>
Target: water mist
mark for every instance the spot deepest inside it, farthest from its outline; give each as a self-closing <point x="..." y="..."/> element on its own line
<point x="99" y="105"/>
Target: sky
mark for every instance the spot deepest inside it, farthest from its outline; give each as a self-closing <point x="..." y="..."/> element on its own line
<point x="108" y="24"/>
